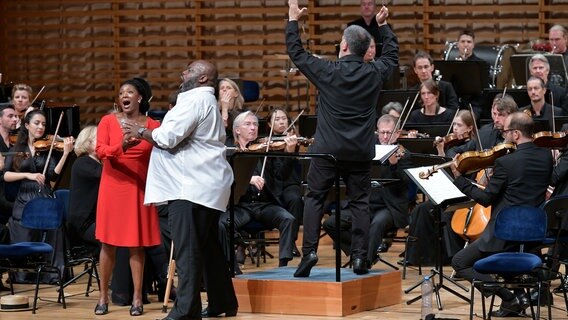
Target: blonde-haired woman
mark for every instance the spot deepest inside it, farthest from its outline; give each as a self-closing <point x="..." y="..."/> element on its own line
<point x="231" y="102"/>
<point x="84" y="189"/>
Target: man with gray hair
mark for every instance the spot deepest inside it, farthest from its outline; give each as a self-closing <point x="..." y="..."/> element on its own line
<point x="558" y="38"/>
<point x="348" y="92"/>
<point x="557" y="95"/>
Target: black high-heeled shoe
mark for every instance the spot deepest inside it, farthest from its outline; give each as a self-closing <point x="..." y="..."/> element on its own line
<point x="136" y="310"/>
<point x="101" y="309"/>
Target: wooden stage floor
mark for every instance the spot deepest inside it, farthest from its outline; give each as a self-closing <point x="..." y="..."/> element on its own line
<point x="81" y="307"/>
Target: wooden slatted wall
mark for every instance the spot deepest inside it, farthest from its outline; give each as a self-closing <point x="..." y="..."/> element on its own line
<point x="83" y="50"/>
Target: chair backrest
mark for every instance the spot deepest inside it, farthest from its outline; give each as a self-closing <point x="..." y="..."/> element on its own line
<point x="63" y="196"/>
<point x="521" y="224"/>
<point x="555" y="208"/>
<point x="42" y="214"/>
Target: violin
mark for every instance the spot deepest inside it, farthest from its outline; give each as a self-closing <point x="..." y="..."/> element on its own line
<point x="472" y="161"/>
<point x="405" y="134"/>
<point x="276" y="143"/>
<point x="452" y="139"/>
<point x="548" y="139"/>
<point x="45" y="143"/>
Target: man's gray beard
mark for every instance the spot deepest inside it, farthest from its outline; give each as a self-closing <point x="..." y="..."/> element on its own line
<point x="188" y="85"/>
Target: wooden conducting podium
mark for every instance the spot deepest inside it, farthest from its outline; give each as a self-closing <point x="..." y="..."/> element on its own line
<point x="328" y="291"/>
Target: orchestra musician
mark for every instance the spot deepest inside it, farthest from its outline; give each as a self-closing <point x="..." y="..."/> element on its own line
<point x="423" y="65"/>
<point x="519" y="178"/>
<point x="346" y="113"/>
<point x="558" y="38"/>
<point x="431" y="111"/>
<point x="262" y="200"/>
<point x="21" y="100"/>
<point x="540" y="109"/>
<point x="393" y="108"/>
<point x="369" y="23"/>
<point x="388" y="204"/>
<point x="231" y="103"/>
<point x="540" y="68"/>
<point x="422" y="225"/>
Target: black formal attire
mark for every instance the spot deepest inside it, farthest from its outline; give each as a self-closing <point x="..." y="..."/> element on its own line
<point x="348" y="91"/>
<point x="264" y="207"/>
<point x="373" y="29"/>
<point x="83" y="194"/>
<point x="519" y="178"/>
<point x="545" y="113"/>
<point x="416" y="116"/>
<point x="388" y="206"/>
<point x="559" y="96"/>
<point x="6" y="205"/>
<point x="448" y="97"/>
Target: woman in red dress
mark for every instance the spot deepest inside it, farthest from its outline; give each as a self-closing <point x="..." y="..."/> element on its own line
<point x="122" y="220"/>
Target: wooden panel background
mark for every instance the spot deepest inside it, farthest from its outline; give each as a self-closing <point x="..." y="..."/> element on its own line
<point x="82" y="50"/>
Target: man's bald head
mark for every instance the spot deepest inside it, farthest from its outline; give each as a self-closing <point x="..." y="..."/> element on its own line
<point x="200" y="73"/>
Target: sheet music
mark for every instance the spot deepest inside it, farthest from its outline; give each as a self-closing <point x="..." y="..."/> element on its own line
<point x="383" y="152"/>
<point x="439" y="186"/>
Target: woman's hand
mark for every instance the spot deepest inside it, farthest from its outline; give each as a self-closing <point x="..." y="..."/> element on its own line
<point x="291" y="143"/>
<point x="38" y="177"/>
<point x="68" y="145"/>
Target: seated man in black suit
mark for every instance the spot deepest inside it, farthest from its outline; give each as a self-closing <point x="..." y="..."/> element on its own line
<point x="519" y="178"/>
<point x="540" y="109"/>
<point x="388" y="204"/>
<point x="540" y="67"/>
<point x="259" y="201"/>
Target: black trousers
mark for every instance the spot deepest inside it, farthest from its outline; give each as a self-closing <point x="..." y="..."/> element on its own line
<point x="194" y="230"/>
<point x="321" y="177"/>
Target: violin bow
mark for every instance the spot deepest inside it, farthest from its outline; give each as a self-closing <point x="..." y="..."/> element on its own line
<point x="452" y="123"/>
<point x="398" y="120"/>
<point x="408" y="113"/>
<point x="52" y="144"/>
<point x="552" y="107"/>
<point x="267" y="149"/>
<point x="37" y="95"/>
<point x="294" y="121"/>
<point x="260" y="105"/>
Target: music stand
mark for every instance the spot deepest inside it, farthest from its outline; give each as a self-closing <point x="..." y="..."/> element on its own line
<point x="521" y="72"/>
<point x="446" y="197"/>
<point x="519" y="95"/>
<point x="399" y="96"/>
<point x="467" y="77"/>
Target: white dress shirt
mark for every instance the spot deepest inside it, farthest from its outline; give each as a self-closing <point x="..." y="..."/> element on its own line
<point x="189" y="161"/>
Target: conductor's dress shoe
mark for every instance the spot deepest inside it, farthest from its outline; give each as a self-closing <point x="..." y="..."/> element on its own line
<point x="207" y="314"/>
<point x="360" y="266"/>
<point x="306" y="265"/>
<point x="510" y="308"/>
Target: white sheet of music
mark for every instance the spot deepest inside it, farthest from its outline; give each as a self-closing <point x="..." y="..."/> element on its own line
<point x="439" y="186"/>
<point x="384" y="151"/>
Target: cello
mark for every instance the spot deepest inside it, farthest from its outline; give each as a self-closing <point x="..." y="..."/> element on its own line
<point x="469" y="223"/>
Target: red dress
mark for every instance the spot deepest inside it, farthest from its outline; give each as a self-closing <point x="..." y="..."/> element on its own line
<point x="122" y="218"/>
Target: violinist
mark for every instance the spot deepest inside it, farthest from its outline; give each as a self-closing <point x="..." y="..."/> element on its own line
<point x="260" y="202"/>
<point x="388" y="204"/>
<point x="519" y="178"/>
<point x="423" y="65"/>
<point x="431" y="111"/>
<point x="462" y="131"/>
<point x="540" y="68"/>
<point x="540" y="109"/>
<point x="21" y="99"/>
<point x="27" y="167"/>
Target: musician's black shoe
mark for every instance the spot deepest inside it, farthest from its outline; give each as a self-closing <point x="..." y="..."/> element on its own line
<point x="207" y="314"/>
<point x="306" y="264"/>
<point x="384" y="246"/>
<point x="296" y="252"/>
<point x="510" y="308"/>
<point x="562" y="288"/>
<point x="360" y="266"/>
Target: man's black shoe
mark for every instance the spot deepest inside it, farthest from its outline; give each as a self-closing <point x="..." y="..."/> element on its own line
<point x="306" y="264"/>
<point x="296" y="252"/>
<point x="511" y="308"/>
<point x="401" y="263"/>
<point x="360" y="266"/>
<point x="385" y="245"/>
<point x="206" y="314"/>
<point x="561" y="288"/>
<point x="545" y="297"/>
<point x="523" y="300"/>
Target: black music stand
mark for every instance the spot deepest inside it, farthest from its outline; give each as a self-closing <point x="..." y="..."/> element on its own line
<point x="400" y="96"/>
<point x="467" y="77"/>
<point x="446" y="197"/>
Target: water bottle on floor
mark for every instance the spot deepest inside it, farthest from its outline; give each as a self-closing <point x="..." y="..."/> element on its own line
<point x="427" y="290"/>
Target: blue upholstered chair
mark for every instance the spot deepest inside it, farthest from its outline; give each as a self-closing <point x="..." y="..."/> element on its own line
<point x="42" y="214"/>
<point x="519" y="269"/>
<point x="250" y="90"/>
